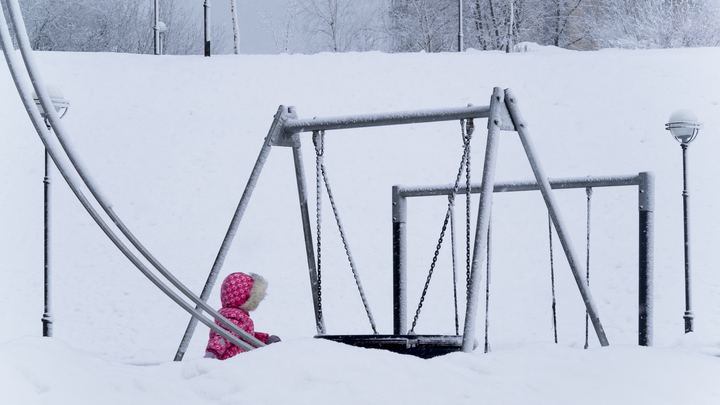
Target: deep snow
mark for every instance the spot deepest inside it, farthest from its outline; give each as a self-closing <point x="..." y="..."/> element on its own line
<point x="172" y="141"/>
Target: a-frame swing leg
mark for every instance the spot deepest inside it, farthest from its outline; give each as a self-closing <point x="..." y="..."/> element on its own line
<point x="483" y="221"/>
<point x="276" y="137"/>
<point x="505" y="115"/>
<point x="544" y="185"/>
<point x="307" y="231"/>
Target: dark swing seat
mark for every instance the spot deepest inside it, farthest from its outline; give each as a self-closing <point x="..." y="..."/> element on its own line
<point x="423" y="346"/>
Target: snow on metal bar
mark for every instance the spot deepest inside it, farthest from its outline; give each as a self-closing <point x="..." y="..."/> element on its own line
<point x="374" y="120"/>
<point x="631" y="180"/>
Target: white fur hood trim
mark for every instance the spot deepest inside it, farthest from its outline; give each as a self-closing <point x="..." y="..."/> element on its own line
<point x="256" y="294"/>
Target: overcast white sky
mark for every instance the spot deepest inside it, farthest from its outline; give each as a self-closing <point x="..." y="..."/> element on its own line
<point x="255" y="35"/>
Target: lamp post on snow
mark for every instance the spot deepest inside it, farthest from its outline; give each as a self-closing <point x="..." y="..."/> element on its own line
<point x="61" y="106"/>
<point x="206" y="6"/>
<point x="684" y="127"/>
<point x="158" y="28"/>
<point x="460" y="26"/>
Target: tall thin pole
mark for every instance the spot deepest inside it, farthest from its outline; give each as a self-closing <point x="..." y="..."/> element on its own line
<point x="236" y="28"/>
<point x="399" y="218"/>
<point x="460" y="26"/>
<point x="689" y="317"/>
<point x="508" y="49"/>
<point x="646" y="246"/>
<point x="156" y="30"/>
<point x="483" y="221"/>
<point x="47" y="318"/>
<point x="206" y="6"/>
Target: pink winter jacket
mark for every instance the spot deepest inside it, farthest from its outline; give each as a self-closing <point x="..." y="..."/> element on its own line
<point x="240" y="294"/>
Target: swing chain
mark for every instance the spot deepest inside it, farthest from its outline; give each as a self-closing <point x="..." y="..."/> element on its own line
<point x="487" y="288"/>
<point x="320" y="176"/>
<point x="319" y="142"/>
<point x="347" y="251"/>
<point x="588" y="192"/>
<point x="467" y="136"/>
<point x="454" y="271"/>
<point x="552" y="278"/>
<point x="467" y="130"/>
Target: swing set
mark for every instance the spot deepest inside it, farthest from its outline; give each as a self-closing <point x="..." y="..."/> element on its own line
<point x="502" y="115"/>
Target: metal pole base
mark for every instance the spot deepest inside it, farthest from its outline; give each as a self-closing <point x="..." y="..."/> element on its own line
<point x="689" y="321"/>
<point x="47" y="321"/>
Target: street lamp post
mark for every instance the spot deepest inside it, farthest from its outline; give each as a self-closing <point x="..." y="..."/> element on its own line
<point x="156" y="30"/>
<point x="684" y="127"/>
<point x="461" y="46"/>
<point x="206" y="7"/>
<point x="61" y="106"/>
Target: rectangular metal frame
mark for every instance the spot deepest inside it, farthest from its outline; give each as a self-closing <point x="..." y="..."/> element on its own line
<point x="644" y="181"/>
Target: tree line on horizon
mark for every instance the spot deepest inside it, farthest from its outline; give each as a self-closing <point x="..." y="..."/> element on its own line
<point x="309" y="26"/>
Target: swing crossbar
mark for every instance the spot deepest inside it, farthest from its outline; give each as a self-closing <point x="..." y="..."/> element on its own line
<point x="292" y="126"/>
<point x="644" y="181"/>
<point x="569" y="183"/>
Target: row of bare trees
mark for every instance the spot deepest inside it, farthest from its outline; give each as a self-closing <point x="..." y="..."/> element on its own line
<point x="433" y="25"/>
<point x="387" y="25"/>
<point x="112" y="26"/>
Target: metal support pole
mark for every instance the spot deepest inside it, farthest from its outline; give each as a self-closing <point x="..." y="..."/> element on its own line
<point x="236" y="28"/>
<point x="206" y="6"/>
<point x="461" y="46"/>
<point x="483" y="221"/>
<point x="47" y="318"/>
<point x="689" y="316"/>
<point x="646" y="206"/>
<point x="575" y="264"/>
<point x="399" y="217"/>
<point x="156" y="30"/>
<point x="307" y="232"/>
<point x="232" y="229"/>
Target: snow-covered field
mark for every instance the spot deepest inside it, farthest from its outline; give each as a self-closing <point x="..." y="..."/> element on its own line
<point x="172" y="140"/>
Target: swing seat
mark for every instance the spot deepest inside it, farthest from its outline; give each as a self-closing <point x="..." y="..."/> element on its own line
<point x="423" y="346"/>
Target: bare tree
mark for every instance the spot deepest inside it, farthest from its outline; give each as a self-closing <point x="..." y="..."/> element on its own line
<point x="487" y="24"/>
<point x="657" y="23"/>
<point x="495" y="24"/>
<point x="340" y="25"/>
<point x="561" y="22"/>
<point x="427" y="25"/>
<point x="284" y="28"/>
<point x="111" y="26"/>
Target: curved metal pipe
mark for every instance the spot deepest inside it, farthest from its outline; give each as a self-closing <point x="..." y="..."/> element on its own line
<point x="21" y="34"/>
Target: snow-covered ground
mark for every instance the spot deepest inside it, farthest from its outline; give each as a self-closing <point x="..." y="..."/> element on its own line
<point x="172" y="141"/>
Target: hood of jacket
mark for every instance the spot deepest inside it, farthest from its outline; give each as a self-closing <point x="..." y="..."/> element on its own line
<point x="243" y="291"/>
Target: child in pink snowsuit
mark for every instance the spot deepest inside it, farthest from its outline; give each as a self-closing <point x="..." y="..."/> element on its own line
<point x="240" y="294"/>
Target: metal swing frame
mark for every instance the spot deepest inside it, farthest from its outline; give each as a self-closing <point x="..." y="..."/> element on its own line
<point x="503" y="115"/>
<point x="645" y="182"/>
